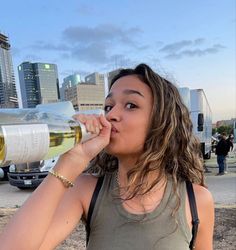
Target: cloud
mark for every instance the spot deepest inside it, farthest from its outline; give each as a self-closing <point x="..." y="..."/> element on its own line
<point x="82" y="73"/>
<point x="91" y="53"/>
<point x="31" y="57"/>
<point x="199" y="41"/>
<point x="120" y="61"/>
<point x="94" y="45"/>
<point x="41" y="45"/>
<point x="102" y="33"/>
<point x="158" y="43"/>
<point x="174" y="47"/>
<point x="143" y="47"/>
<point x="179" y="50"/>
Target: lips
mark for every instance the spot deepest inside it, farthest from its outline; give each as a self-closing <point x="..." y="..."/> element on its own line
<point x="114" y="130"/>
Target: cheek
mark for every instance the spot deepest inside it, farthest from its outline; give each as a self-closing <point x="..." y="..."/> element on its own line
<point x="137" y="132"/>
<point x="140" y="131"/>
<point x="132" y="140"/>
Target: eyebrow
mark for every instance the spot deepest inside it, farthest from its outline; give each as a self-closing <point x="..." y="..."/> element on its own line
<point x="127" y="92"/>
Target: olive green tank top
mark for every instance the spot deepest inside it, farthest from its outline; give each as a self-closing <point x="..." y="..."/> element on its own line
<point x="114" y="228"/>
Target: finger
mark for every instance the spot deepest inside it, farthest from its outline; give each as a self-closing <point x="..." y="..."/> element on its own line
<point x="104" y="121"/>
<point x="93" y="124"/>
<point x="106" y="125"/>
<point x="80" y="118"/>
<point x="97" y="125"/>
<point x="89" y="126"/>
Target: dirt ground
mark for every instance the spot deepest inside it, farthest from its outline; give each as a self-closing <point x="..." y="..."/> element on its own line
<point x="224" y="235"/>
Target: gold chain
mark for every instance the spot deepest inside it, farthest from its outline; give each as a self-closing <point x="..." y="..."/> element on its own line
<point x="63" y="179"/>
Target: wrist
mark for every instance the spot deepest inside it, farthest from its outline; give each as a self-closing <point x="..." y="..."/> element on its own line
<point x="67" y="183"/>
<point x="70" y="167"/>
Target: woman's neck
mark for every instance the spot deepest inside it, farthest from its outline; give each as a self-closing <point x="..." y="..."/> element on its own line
<point x="126" y="164"/>
<point x="139" y="203"/>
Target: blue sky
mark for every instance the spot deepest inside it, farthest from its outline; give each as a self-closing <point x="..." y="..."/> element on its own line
<point x="193" y="43"/>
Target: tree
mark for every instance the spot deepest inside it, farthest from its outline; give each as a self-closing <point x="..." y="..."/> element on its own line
<point x="226" y="129"/>
<point x="214" y="131"/>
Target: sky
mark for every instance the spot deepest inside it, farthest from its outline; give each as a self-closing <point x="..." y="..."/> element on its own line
<point x="192" y="43"/>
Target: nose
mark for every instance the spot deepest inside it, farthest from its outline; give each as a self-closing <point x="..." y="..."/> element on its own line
<point x="114" y="114"/>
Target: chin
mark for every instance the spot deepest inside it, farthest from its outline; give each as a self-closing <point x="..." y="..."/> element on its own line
<point x="120" y="152"/>
<point x="114" y="150"/>
<point x="110" y="150"/>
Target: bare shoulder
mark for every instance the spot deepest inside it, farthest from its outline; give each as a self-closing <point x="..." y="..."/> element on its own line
<point x="203" y="195"/>
<point x="205" y="208"/>
<point x="204" y="202"/>
<point x="84" y="186"/>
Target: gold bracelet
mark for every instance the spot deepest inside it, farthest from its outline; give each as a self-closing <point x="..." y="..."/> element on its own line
<point x="65" y="182"/>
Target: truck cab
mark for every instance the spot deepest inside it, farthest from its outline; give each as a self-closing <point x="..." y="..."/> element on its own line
<point x="31" y="174"/>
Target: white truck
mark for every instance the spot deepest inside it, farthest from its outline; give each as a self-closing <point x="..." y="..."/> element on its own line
<point x="201" y="116"/>
<point x="30" y="174"/>
<point x="234" y="131"/>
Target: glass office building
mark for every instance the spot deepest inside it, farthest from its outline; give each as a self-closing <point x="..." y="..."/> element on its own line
<point x="8" y="95"/>
<point x="95" y="78"/>
<point x="28" y="85"/>
<point x="68" y="82"/>
<point x="38" y="83"/>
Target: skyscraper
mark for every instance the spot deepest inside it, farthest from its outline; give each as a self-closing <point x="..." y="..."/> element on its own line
<point x="95" y="78"/>
<point x="85" y="96"/>
<point x="112" y="74"/>
<point x="8" y="95"/>
<point x="68" y="82"/>
<point x="38" y="83"/>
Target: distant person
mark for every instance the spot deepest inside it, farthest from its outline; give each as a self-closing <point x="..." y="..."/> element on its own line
<point x="222" y="150"/>
<point x="230" y="144"/>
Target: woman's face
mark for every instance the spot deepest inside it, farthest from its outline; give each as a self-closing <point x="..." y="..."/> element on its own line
<point x="128" y="107"/>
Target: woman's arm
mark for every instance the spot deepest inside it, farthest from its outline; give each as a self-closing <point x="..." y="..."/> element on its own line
<point x="205" y="207"/>
<point x="28" y="227"/>
<point x="75" y="202"/>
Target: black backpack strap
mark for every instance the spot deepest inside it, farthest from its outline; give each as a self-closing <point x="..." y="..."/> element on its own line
<point x="92" y="205"/>
<point x="193" y="208"/>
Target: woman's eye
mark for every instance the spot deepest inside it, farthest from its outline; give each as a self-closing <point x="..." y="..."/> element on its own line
<point x="131" y="106"/>
<point x="107" y="108"/>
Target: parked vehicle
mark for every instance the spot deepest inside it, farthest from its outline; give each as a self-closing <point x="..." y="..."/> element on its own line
<point x="3" y="173"/>
<point x="30" y="175"/>
<point x="201" y="116"/>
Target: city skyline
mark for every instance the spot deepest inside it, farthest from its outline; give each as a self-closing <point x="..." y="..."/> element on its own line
<point x="191" y="43"/>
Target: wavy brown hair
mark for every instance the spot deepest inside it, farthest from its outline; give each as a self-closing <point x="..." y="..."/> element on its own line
<point x="170" y="147"/>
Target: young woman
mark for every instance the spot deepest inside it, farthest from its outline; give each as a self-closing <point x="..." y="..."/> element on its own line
<point x="146" y="152"/>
